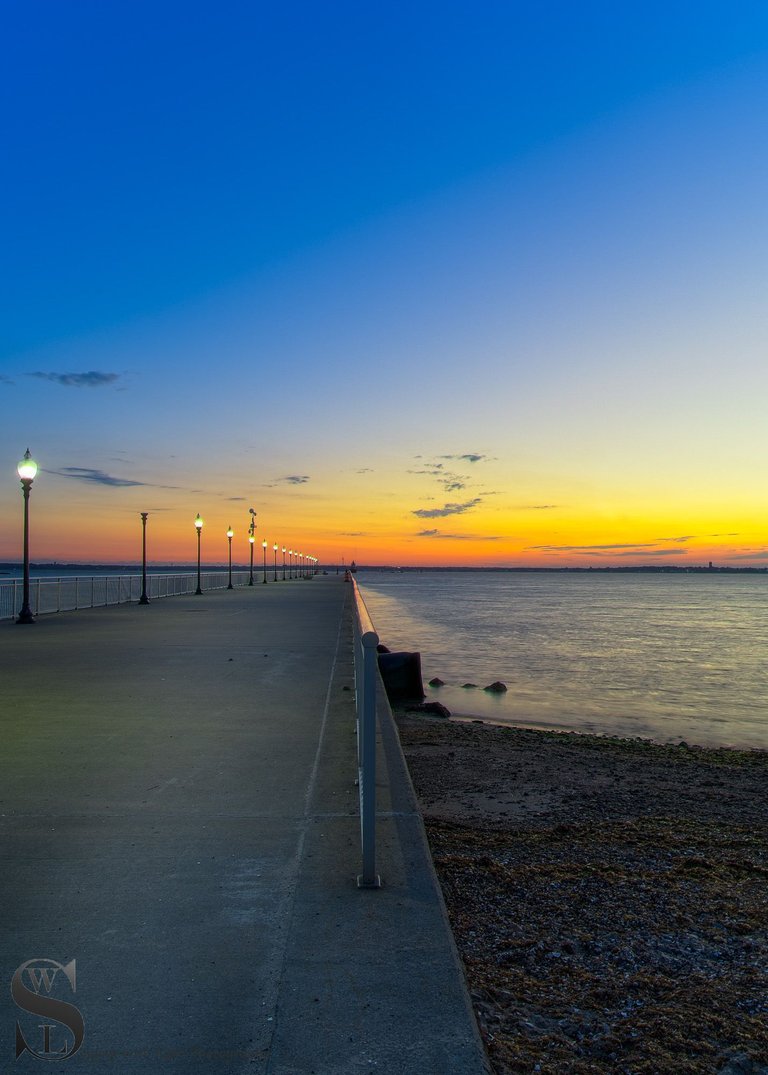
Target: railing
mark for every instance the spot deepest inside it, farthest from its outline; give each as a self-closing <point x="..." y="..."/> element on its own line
<point x="366" y="678"/>
<point x="70" y="592"/>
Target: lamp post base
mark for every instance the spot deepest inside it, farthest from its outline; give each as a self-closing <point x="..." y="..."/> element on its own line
<point x="25" y="616"/>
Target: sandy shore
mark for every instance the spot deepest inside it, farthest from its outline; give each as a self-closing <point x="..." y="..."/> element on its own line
<point x="609" y="897"/>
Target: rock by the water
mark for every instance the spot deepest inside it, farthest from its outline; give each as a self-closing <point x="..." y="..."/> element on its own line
<point x="434" y="709"/>
<point x="437" y="682"/>
<point x="467" y="686"/>
<point x="496" y="688"/>
<point x="401" y="673"/>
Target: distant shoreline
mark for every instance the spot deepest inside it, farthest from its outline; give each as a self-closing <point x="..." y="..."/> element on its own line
<point x="642" y="569"/>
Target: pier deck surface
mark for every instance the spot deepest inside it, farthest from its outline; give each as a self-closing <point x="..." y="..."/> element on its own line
<point x="178" y="814"/>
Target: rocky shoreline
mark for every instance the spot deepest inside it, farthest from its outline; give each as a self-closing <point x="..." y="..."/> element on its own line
<point x="609" y="897"/>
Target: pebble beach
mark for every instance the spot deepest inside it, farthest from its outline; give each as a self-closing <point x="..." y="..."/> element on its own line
<point x="608" y="897"/>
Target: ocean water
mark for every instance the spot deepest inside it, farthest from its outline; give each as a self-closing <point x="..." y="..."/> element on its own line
<point x="667" y="657"/>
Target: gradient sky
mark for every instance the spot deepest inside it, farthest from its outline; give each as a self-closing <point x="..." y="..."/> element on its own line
<point x="420" y="283"/>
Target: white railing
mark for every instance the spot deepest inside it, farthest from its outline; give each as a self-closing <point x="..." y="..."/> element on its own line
<point x="70" y="592"/>
<point x="366" y="679"/>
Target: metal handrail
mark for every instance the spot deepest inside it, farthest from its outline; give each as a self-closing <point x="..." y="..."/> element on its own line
<point x="67" y="593"/>
<point x="366" y="679"/>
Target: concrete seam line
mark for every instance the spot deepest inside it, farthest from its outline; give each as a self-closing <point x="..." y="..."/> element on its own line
<point x="310" y="792"/>
<point x="305" y="823"/>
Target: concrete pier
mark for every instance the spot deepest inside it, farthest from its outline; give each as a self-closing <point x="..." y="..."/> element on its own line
<point x="178" y="815"/>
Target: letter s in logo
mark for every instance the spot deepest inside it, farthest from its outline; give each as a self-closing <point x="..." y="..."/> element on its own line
<point x="42" y="974"/>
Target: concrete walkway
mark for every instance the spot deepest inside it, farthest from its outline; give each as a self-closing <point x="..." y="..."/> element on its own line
<point x="178" y="814"/>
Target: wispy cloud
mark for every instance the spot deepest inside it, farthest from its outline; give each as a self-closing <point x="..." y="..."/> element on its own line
<point x="91" y="379"/>
<point x="447" y="509"/>
<point x="622" y="549"/>
<point x="467" y="457"/>
<point x="6" y="380"/>
<point x="440" y="535"/>
<point x="100" y="477"/>
<point x="293" y="479"/>
<point x="593" y="548"/>
<point x="432" y="470"/>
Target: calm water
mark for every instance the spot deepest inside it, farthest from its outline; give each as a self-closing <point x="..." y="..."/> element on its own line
<point x="665" y="657"/>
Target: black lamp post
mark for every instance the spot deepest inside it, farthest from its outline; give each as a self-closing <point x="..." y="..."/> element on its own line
<point x="198" y="527"/>
<point x="230" y="535"/>
<point x="274" y="549"/>
<point x="252" y="539"/>
<point x="264" y="549"/>
<point x="27" y="469"/>
<point x="283" y="563"/>
<point x="144" y="600"/>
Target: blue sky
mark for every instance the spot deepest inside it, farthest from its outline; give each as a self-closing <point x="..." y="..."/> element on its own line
<point x="323" y="239"/>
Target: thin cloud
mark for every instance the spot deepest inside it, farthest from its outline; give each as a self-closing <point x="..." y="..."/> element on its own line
<point x="592" y="548"/>
<point x="293" y="479"/>
<point x="6" y="380"/>
<point x="91" y="379"/>
<point x="623" y="550"/>
<point x="468" y="457"/>
<point x="99" y="477"/>
<point x="447" y="509"/>
<point x="456" y="537"/>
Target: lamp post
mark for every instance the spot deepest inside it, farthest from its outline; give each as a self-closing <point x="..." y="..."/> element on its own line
<point x="27" y="469"/>
<point x="290" y="564"/>
<point x="230" y="535"/>
<point x="252" y="539"/>
<point x="283" y="563"/>
<point x="274" y="549"/>
<point x="264" y="554"/>
<point x="198" y="527"/>
<point x="144" y="600"/>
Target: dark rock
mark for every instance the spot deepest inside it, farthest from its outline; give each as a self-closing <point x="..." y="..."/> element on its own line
<point x="434" y="709"/>
<point x="437" y="682"/>
<point x="496" y="688"/>
<point x="467" y="686"/>
<point x="401" y="673"/>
